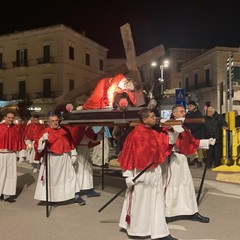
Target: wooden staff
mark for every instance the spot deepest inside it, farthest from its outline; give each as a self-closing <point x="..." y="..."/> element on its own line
<point x="179" y="122"/>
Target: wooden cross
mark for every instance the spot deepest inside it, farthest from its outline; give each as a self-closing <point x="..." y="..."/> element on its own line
<point x="130" y="67"/>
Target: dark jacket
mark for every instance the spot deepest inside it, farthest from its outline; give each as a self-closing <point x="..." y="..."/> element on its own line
<point x="195" y="128"/>
<point x="213" y="127"/>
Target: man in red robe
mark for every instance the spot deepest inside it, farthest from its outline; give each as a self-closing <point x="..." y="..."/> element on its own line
<point x="143" y="208"/>
<point x="106" y="90"/>
<point x="84" y="138"/>
<point x="32" y="132"/>
<point x="180" y="197"/>
<point x="60" y="154"/>
<point x="11" y="145"/>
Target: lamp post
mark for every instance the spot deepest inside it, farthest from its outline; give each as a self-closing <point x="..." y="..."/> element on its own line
<point x="165" y="64"/>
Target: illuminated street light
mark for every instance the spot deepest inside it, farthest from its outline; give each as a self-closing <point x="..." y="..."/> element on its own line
<point x="165" y="64"/>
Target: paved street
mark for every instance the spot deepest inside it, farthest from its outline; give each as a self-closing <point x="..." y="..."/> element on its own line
<point x="26" y="219"/>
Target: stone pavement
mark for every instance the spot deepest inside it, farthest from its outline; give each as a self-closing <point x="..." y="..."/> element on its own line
<point x="26" y="219"/>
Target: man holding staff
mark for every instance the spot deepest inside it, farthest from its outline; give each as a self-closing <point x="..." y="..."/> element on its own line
<point x="143" y="208"/>
<point x="180" y="197"/>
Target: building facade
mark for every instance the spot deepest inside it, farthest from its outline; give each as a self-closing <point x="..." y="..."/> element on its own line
<point x="46" y="63"/>
<point x="205" y="76"/>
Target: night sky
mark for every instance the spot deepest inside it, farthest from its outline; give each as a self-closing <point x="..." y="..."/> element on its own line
<point x="173" y="23"/>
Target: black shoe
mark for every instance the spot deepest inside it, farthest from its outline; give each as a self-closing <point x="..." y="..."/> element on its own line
<point x="169" y="237"/>
<point x="53" y="204"/>
<point x="216" y="164"/>
<point x="80" y="201"/>
<point x="10" y="200"/>
<point x="106" y="165"/>
<point x="92" y="193"/>
<point x="199" y="218"/>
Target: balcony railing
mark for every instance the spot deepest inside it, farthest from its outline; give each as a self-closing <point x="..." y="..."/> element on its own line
<point x="3" y="66"/>
<point x="20" y="63"/>
<point x="45" y="94"/>
<point x="199" y="86"/>
<point x="45" y="60"/>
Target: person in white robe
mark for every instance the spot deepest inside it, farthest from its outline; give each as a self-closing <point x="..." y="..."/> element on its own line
<point x="180" y="196"/>
<point x="60" y="155"/>
<point x="11" y="146"/>
<point x="84" y="165"/>
<point x="143" y="207"/>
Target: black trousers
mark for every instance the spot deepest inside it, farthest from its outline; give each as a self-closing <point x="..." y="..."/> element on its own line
<point x="214" y="155"/>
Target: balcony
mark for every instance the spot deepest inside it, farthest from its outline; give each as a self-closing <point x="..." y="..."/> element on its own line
<point x="45" y="95"/>
<point x="45" y="60"/>
<point x="20" y="63"/>
<point x="3" y="66"/>
<point x="199" y="86"/>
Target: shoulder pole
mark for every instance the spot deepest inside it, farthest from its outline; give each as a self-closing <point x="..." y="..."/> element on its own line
<point x="134" y="179"/>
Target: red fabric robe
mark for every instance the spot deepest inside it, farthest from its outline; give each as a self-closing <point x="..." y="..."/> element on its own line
<point x="104" y="93"/>
<point x="77" y="134"/>
<point x="32" y="131"/>
<point x="143" y="146"/>
<point x="59" y="140"/>
<point x="186" y="143"/>
<point x="11" y="137"/>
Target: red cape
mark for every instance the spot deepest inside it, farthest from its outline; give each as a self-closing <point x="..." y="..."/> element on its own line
<point x="104" y="93"/>
<point x="32" y="131"/>
<point x="77" y="134"/>
<point x="143" y="146"/>
<point x="11" y="138"/>
<point x="59" y="140"/>
<point x="186" y="143"/>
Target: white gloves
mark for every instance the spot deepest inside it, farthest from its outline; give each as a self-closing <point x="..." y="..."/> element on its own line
<point x="212" y="141"/>
<point x="45" y="137"/>
<point x="129" y="181"/>
<point x="173" y="136"/>
<point x="181" y="119"/>
<point x="163" y="120"/>
<point x="73" y="159"/>
<point x="178" y="128"/>
<point x="73" y="155"/>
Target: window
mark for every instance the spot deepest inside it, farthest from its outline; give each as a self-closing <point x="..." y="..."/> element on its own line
<point x="1" y="91"/>
<point x="195" y="81"/>
<point x="101" y="64"/>
<point x="1" y="60"/>
<point x="71" y="53"/>
<point x="71" y="85"/>
<point x="180" y="84"/>
<point x="47" y="88"/>
<point x="46" y="54"/>
<point x="21" y="57"/>
<point x="22" y="89"/>
<point x="87" y="59"/>
<point x="236" y="75"/>
<point x="186" y="84"/>
<point x="236" y="102"/>
<point x="179" y="65"/>
<point x="207" y="78"/>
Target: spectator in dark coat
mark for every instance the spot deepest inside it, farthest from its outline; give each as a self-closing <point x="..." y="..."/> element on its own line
<point x="214" y="123"/>
<point x="237" y="119"/>
<point x="196" y="130"/>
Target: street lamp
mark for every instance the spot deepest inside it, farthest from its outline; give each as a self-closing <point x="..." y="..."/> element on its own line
<point x="165" y="64"/>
